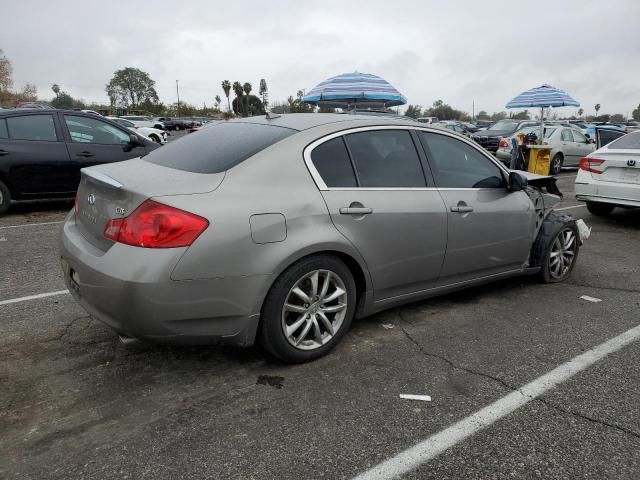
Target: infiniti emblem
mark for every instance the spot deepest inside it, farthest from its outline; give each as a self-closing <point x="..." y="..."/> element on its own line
<point x="631" y="163"/>
<point x="91" y="199"/>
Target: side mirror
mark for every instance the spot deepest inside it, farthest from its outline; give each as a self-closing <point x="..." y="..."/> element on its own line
<point x="517" y="182"/>
<point x="134" y="142"/>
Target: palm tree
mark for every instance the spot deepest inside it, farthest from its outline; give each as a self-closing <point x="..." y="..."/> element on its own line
<point x="580" y="112"/>
<point x="226" y="86"/>
<point x="56" y="89"/>
<point x="597" y="108"/>
<point x="264" y="92"/>
<point x="237" y="89"/>
<point x="247" y="89"/>
<point x="217" y="102"/>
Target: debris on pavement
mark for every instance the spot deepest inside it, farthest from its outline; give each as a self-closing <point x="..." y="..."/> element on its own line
<point x="388" y="326"/>
<point x="590" y="299"/>
<point x="423" y="398"/>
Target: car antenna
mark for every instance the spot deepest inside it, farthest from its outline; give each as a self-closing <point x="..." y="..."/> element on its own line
<point x="271" y="115"/>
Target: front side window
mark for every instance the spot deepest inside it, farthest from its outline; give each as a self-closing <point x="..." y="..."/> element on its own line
<point x="579" y="137"/>
<point x="331" y="160"/>
<point x="90" y="130"/>
<point x="458" y="165"/>
<point x="385" y="159"/>
<point x="32" y="127"/>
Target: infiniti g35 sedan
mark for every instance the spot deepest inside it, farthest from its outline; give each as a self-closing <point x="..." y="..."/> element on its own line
<point x="282" y="229"/>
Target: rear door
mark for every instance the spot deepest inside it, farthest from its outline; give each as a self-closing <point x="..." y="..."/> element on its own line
<point x="378" y="197"/>
<point x="35" y="157"/>
<point x="92" y="141"/>
<point x="490" y="230"/>
<point x="568" y="147"/>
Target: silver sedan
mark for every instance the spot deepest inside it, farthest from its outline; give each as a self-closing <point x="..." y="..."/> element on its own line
<point x="285" y="228"/>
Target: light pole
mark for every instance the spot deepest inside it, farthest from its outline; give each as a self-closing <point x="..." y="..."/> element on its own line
<point x="178" y="94"/>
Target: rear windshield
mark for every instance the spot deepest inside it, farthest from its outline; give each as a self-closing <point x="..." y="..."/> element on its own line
<point x="628" y="141"/>
<point x="218" y="147"/>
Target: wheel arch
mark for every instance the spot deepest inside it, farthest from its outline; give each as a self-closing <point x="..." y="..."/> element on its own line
<point x="4" y="178"/>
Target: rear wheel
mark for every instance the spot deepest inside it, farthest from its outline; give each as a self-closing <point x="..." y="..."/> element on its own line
<point x="308" y="309"/>
<point x="600" y="209"/>
<point x="5" y="198"/>
<point x="556" y="164"/>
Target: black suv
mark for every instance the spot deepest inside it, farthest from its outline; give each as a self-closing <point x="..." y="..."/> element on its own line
<point x="42" y="151"/>
<point x="490" y="138"/>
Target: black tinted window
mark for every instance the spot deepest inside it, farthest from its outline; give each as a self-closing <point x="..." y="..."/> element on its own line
<point x="386" y="158"/>
<point x="457" y="165"/>
<point x="32" y="127"/>
<point x="332" y="162"/>
<point x="630" y="141"/>
<point x="219" y="147"/>
<point x="3" y="129"/>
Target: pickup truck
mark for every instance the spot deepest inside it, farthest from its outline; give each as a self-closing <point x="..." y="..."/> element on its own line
<point x="174" y="123"/>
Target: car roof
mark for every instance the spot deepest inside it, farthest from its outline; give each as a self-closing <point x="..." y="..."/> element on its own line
<point x="305" y="121"/>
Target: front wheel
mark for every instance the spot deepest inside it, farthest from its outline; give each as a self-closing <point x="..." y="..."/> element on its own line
<point x="177" y="127"/>
<point x="308" y="309"/>
<point x="561" y="254"/>
<point x="5" y="198"/>
<point x="154" y="139"/>
<point x="556" y="164"/>
<point x="600" y="209"/>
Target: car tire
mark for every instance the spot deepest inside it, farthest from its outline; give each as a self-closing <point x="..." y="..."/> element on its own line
<point x="177" y="127"/>
<point x="296" y="326"/>
<point x="5" y="198"/>
<point x="600" y="209"/>
<point x="557" y="247"/>
<point x="556" y="164"/>
<point x="155" y="139"/>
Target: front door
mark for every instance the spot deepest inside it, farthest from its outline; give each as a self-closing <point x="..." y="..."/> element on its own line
<point x="39" y="164"/>
<point x="378" y="199"/>
<point x="92" y="141"/>
<point x="490" y="230"/>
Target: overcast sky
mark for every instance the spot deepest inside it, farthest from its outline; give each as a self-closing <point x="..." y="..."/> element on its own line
<point x="460" y="51"/>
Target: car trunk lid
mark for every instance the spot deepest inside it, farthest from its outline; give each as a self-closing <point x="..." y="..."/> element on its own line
<point x="619" y="166"/>
<point x="115" y="190"/>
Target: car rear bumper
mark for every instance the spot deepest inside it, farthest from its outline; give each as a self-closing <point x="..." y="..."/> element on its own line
<point x="591" y="190"/>
<point x="130" y="290"/>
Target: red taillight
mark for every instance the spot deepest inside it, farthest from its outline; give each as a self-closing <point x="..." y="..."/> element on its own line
<point x="588" y="164"/>
<point x="154" y="225"/>
<point x="503" y="143"/>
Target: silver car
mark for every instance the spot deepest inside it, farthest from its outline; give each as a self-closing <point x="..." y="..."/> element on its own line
<point x="284" y="228"/>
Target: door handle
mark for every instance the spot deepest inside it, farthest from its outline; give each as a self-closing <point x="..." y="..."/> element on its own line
<point x="461" y="208"/>
<point x="85" y="154"/>
<point x="356" y="211"/>
<point x="3" y="153"/>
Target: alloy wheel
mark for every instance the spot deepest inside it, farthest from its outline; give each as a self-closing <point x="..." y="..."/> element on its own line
<point x="314" y="309"/>
<point x="563" y="253"/>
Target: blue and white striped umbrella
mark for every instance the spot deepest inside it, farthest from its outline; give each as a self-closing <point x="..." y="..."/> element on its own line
<point x="544" y="96"/>
<point x="355" y="88"/>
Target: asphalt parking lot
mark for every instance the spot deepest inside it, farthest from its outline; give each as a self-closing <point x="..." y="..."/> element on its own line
<point x="75" y="403"/>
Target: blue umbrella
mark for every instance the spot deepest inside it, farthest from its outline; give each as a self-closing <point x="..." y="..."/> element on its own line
<point x="355" y="88"/>
<point x="543" y="97"/>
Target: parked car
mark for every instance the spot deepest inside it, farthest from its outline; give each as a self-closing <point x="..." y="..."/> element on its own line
<point x="470" y="127"/>
<point x="143" y="121"/>
<point x="174" y="123"/>
<point x="484" y="124"/>
<point x="591" y="129"/>
<point x="453" y="126"/>
<point x="610" y="176"/>
<point x="490" y="138"/>
<point x="292" y="225"/>
<point x="154" y="134"/>
<point x="428" y="120"/>
<point x="42" y="151"/>
<point x="35" y="105"/>
<point x="568" y="146"/>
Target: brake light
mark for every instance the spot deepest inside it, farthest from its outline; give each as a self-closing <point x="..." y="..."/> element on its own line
<point x="588" y="164"/>
<point x="154" y="225"/>
<point x="503" y="143"/>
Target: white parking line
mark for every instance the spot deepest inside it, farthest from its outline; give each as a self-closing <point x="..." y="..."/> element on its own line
<point x="433" y="446"/>
<point x="30" y="225"/>
<point x="33" y="297"/>
<point x="569" y="208"/>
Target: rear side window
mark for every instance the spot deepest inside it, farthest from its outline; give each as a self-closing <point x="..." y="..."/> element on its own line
<point x="457" y="165"/>
<point x="3" y="129"/>
<point x="386" y="159"/>
<point x="566" y="135"/>
<point x="629" y="141"/>
<point x="331" y="159"/>
<point x="219" y="147"/>
<point x="32" y="127"/>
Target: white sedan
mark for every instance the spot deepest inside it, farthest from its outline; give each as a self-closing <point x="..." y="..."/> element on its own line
<point x="610" y="176"/>
<point x="155" y="135"/>
<point x="568" y="146"/>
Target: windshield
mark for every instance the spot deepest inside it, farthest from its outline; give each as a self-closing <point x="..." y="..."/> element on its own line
<point x="630" y="141"/>
<point x="505" y="125"/>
